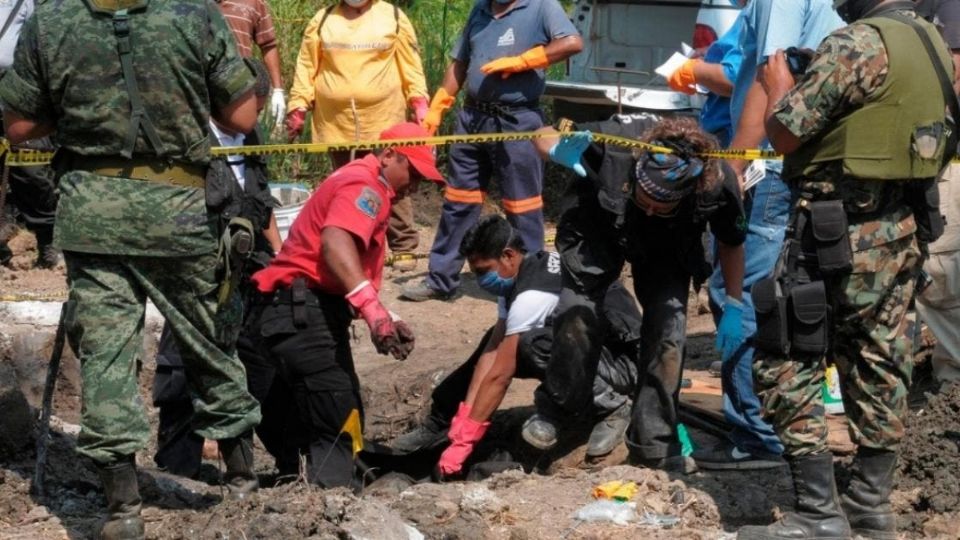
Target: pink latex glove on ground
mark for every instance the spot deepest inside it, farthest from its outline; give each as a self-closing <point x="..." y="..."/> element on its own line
<point x="464" y="434"/>
<point x="420" y="108"/>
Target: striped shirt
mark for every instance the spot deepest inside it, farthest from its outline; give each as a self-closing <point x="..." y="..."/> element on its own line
<point x="251" y="22"/>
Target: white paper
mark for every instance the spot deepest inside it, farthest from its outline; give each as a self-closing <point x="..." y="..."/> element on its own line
<point x="686" y="49"/>
<point x="671" y="65"/>
<point x="756" y="172"/>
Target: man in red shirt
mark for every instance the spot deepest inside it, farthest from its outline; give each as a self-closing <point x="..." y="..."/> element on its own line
<point x="332" y="261"/>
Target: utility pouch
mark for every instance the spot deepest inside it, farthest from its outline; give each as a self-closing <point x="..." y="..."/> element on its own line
<point x="770" y="304"/>
<point x="298" y="301"/>
<point x="828" y="223"/>
<point x="808" y="331"/>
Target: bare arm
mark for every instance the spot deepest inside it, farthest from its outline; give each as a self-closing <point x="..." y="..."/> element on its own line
<point x="496" y="381"/>
<point x="239" y="116"/>
<point x="486" y="361"/>
<point x="545" y="143"/>
<point x="713" y="78"/>
<point x="19" y="129"/>
<point x="454" y="77"/>
<point x="563" y="48"/>
<point x="732" y="267"/>
<point x="340" y="250"/>
<point x="750" y="131"/>
<point x="272" y="234"/>
<point x="271" y="58"/>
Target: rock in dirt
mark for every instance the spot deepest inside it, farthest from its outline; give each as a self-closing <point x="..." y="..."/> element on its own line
<point x="931" y="453"/>
<point x="374" y="521"/>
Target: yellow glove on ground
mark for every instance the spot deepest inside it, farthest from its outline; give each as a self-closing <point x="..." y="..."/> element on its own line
<point x="616" y="490"/>
<point x="535" y="58"/>
<point x="440" y="103"/>
<point x="683" y="79"/>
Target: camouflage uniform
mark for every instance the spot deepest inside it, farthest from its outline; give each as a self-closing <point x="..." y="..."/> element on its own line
<point x="127" y="240"/>
<point x="871" y="328"/>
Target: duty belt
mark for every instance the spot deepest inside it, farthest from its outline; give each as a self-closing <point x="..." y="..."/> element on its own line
<point x="148" y="169"/>
<point x="499" y="110"/>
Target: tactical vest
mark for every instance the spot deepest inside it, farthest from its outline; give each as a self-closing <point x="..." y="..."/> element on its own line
<point x="539" y="271"/>
<point x="900" y="133"/>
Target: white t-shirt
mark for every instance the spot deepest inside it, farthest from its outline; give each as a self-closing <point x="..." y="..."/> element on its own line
<point x="236" y="162"/>
<point x="529" y="310"/>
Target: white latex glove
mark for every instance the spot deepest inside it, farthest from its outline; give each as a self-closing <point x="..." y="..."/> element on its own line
<point x="278" y="106"/>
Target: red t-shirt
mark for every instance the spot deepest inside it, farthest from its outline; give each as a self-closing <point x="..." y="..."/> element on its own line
<point x="354" y="198"/>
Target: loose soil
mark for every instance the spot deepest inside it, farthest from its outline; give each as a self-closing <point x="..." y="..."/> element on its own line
<point x="513" y="505"/>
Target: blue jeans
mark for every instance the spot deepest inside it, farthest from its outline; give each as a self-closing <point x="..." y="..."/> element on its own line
<point x="767" y="206"/>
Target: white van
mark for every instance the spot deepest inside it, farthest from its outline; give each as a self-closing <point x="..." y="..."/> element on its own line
<point x="623" y="42"/>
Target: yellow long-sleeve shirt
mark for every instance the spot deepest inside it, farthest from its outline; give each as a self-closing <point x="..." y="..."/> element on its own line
<point x="357" y="75"/>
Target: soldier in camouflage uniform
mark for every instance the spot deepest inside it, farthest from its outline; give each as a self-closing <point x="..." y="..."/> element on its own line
<point x="129" y="87"/>
<point x="863" y="134"/>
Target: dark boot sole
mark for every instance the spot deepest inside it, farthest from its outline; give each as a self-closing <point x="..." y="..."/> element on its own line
<point x="753" y="465"/>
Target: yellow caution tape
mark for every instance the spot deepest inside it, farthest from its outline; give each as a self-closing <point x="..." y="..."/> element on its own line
<point x="28" y="158"/>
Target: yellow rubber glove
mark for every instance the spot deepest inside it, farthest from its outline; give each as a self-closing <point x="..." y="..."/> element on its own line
<point x="535" y="58"/>
<point x="440" y="103"/>
<point x="683" y="79"/>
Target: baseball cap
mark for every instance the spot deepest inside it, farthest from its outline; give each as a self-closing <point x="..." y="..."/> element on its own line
<point x="422" y="157"/>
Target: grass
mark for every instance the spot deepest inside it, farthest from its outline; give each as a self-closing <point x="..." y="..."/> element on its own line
<point x="438" y="24"/>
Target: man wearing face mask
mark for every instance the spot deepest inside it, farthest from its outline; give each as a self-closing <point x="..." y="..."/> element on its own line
<point x="864" y="133"/>
<point x="328" y="272"/>
<point x="649" y="209"/>
<point x="527" y="286"/>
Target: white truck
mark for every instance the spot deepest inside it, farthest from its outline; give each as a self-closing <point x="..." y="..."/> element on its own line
<point x="624" y="41"/>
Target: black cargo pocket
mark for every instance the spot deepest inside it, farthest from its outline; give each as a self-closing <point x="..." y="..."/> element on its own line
<point x="770" y="305"/>
<point x="828" y="222"/>
<point x="809" y="329"/>
<point x="277" y="321"/>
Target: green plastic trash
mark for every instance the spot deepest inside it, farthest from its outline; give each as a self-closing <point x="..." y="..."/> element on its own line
<point x="686" y="445"/>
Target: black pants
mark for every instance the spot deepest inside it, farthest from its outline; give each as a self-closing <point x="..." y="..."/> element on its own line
<point x="309" y="349"/>
<point x="32" y="191"/>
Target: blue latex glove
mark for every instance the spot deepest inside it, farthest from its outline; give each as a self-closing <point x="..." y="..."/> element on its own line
<point x="568" y="151"/>
<point x="730" y="330"/>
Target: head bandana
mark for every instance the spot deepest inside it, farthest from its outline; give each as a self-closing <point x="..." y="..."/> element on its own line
<point x="668" y="177"/>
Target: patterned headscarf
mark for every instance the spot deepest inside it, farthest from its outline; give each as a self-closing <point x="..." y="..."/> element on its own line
<point x="668" y="178"/>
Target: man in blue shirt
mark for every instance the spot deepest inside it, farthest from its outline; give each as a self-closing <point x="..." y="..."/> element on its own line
<point x="501" y="57"/>
<point x="766" y="25"/>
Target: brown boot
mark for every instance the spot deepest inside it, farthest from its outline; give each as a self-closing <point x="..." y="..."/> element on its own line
<point x="240" y="479"/>
<point x="123" y="501"/>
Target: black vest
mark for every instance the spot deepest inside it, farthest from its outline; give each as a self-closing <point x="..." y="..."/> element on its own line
<point x="538" y="272"/>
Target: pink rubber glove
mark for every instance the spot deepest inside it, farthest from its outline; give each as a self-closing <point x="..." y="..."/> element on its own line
<point x="420" y="108"/>
<point x="295" y="121"/>
<point x="464" y="434"/>
<point x="383" y="333"/>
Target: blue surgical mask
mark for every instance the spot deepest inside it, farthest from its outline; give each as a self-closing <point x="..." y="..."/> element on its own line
<point x="495" y="284"/>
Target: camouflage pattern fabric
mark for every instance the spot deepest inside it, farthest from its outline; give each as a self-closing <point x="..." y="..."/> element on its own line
<point x="873" y="346"/>
<point x="850" y="64"/>
<point x="105" y="327"/>
<point x="67" y="72"/>
<point x="126" y="241"/>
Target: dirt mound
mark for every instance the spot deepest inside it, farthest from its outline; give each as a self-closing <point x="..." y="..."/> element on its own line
<point x="930" y="456"/>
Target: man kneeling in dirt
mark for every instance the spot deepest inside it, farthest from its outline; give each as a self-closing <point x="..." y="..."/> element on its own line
<point x="518" y="345"/>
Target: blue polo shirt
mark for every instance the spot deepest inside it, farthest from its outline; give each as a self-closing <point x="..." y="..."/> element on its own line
<point x="527" y="24"/>
<point x="715" y="115"/>
<point x="769" y="25"/>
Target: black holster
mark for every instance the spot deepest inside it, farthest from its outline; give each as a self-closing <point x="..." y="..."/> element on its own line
<point x="828" y="236"/>
<point x="298" y="302"/>
<point x="923" y="196"/>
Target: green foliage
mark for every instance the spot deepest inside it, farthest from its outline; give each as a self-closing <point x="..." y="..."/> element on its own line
<point x="438" y="24"/>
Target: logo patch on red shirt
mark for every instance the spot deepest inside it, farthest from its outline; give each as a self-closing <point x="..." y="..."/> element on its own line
<point x="369" y="202"/>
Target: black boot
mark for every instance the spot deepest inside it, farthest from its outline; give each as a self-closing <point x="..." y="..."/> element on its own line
<point x="867" y="500"/>
<point x="817" y="515"/>
<point x="123" y="501"/>
<point x="430" y="434"/>
<point x="240" y="479"/>
<point x="5" y="254"/>
<point x="47" y="255"/>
